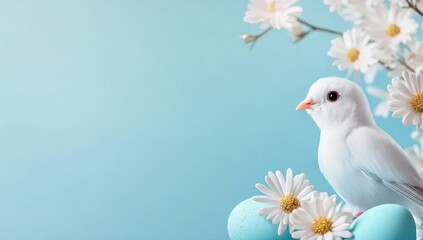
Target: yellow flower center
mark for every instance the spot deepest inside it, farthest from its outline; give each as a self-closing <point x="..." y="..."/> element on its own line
<point x="273" y="7"/>
<point x="417" y="102"/>
<point x="322" y="226"/>
<point x="392" y="30"/>
<point x="353" y="55"/>
<point x="289" y="203"/>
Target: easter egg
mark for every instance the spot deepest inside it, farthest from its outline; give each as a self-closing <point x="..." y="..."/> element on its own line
<point x="244" y="224"/>
<point x="387" y="222"/>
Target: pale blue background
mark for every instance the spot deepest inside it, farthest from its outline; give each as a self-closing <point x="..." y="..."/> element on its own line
<point x="149" y="119"/>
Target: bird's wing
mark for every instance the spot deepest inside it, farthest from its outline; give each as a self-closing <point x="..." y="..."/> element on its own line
<point x="377" y="155"/>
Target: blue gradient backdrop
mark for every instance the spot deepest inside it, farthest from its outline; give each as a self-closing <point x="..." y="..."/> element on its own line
<point x="149" y="119"/>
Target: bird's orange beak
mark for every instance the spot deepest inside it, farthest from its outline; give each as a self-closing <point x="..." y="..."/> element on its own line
<point x="306" y="104"/>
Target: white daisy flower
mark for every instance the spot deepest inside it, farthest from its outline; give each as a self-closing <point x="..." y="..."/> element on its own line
<point x="283" y="195"/>
<point x="406" y="98"/>
<point x="390" y="27"/>
<point x="321" y="218"/>
<point x="355" y="10"/>
<point x="353" y="51"/>
<point x="353" y="13"/>
<point x="382" y="108"/>
<point x="273" y="13"/>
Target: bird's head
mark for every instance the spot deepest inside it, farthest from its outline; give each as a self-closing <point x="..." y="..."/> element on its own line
<point x="336" y="101"/>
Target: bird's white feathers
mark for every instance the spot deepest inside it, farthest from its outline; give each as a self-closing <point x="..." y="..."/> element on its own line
<point x="364" y="165"/>
<point x="375" y="152"/>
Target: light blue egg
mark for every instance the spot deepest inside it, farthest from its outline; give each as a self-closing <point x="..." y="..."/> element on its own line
<point x="244" y="224"/>
<point x="384" y="222"/>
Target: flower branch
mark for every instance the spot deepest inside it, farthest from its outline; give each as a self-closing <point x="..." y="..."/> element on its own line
<point x="414" y="7"/>
<point x="252" y="39"/>
<point x="317" y="28"/>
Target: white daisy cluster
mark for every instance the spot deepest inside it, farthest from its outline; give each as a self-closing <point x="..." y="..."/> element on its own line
<point x="382" y="37"/>
<point x="273" y="13"/>
<point x="309" y="214"/>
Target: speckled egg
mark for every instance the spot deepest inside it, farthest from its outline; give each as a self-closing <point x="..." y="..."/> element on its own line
<point x="384" y="222"/>
<point x="244" y="224"/>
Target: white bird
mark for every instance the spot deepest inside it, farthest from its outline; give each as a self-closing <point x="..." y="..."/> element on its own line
<point x="361" y="162"/>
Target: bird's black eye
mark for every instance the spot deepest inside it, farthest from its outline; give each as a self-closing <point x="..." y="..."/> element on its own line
<point x="333" y="96"/>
